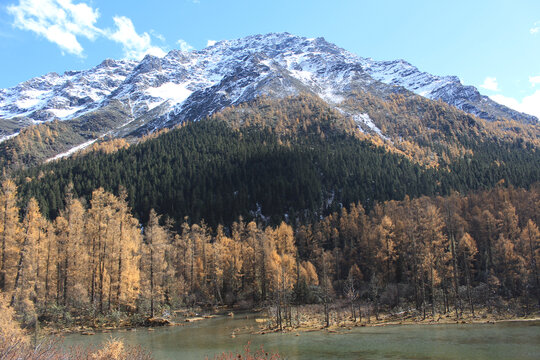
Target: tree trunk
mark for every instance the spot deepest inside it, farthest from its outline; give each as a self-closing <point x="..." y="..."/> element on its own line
<point x="377" y="307"/>
<point x="151" y="281"/>
<point x="467" y="274"/>
<point x="101" y="278"/>
<point x="534" y="269"/>
<point x="59" y="281"/>
<point x="326" y="314"/>
<point x="457" y="304"/>
<point x="119" y="285"/>
<point x="38" y="269"/>
<point x="47" y="268"/>
<point x="445" y="298"/>
<point x="66" y="264"/>
<point x="423" y="298"/>
<point x="19" y="273"/>
<point x="4" y="240"/>
<point x="432" y="294"/>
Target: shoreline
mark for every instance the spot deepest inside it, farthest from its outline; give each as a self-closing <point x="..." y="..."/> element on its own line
<point x="314" y="323"/>
<point x="182" y="317"/>
<point x="336" y="329"/>
<point x="309" y="323"/>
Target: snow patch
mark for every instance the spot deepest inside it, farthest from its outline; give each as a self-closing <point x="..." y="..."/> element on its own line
<point x="30" y="98"/>
<point x="177" y="93"/>
<point x="401" y="73"/>
<point x="7" y="137"/>
<point x="72" y="150"/>
<point x="366" y="120"/>
<point x="302" y="75"/>
<point x="151" y="105"/>
<point x="331" y="97"/>
<point x="64" y="113"/>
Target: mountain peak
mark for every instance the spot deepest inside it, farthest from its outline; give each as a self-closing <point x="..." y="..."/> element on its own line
<point x="191" y="85"/>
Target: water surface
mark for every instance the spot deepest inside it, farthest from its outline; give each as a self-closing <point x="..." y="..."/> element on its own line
<point x="511" y="340"/>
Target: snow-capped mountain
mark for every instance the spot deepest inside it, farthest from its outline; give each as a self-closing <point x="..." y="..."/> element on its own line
<point x="160" y="92"/>
<point x="446" y="88"/>
<point x="63" y="96"/>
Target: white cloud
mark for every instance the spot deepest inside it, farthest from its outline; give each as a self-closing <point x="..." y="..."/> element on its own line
<point x="59" y="21"/>
<point x="535" y="29"/>
<point x="210" y="43"/>
<point x="529" y="105"/>
<point x="64" y="23"/>
<point x="534" y="80"/>
<point x="157" y="35"/>
<point x="490" y="83"/>
<point x="135" y="46"/>
<point x="184" y="46"/>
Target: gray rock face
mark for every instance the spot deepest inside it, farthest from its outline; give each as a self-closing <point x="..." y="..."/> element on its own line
<point x="160" y="92"/>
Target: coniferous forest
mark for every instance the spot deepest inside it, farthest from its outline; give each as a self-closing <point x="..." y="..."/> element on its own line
<point x="284" y="205"/>
<point x="437" y="254"/>
<point x="293" y="158"/>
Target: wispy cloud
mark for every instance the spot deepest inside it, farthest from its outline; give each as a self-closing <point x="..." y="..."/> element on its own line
<point x="529" y="104"/>
<point x="535" y="28"/>
<point x="490" y="83"/>
<point x="135" y="46"/>
<point x="184" y="46"/>
<point x="534" y="80"/>
<point x="157" y="35"/>
<point x="65" y="23"/>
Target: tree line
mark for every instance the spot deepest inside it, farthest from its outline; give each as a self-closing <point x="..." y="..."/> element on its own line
<point x="436" y="254"/>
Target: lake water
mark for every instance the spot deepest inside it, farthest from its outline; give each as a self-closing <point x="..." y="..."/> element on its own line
<point x="511" y="340"/>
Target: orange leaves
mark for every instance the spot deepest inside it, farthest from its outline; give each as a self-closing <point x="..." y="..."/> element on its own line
<point x="467" y="247"/>
<point x="309" y="273"/>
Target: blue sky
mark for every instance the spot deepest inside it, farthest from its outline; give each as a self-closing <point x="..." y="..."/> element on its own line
<point x="491" y="44"/>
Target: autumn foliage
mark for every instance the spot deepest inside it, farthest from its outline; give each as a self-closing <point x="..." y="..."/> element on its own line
<point x="436" y="254"/>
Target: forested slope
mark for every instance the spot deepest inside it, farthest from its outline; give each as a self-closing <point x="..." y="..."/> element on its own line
<point x="292" y="158"/>
<point x="277" y="203"/>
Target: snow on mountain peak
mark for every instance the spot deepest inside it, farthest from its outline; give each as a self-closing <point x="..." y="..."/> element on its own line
<point x="191" y="85"/>
<point x="60" y="96"/>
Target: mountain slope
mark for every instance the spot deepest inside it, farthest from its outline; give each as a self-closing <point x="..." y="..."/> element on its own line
<point x="187" y="86"/>
<point x="63" y="97"/>
<point x="445" y="88"/>
<point x="295" y="157"/>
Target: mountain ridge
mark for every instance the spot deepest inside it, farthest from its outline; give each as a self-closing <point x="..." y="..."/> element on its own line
<point x="188" y="86"/>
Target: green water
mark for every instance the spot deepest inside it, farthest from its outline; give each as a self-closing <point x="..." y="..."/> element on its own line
<point x="516" y="340"/>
